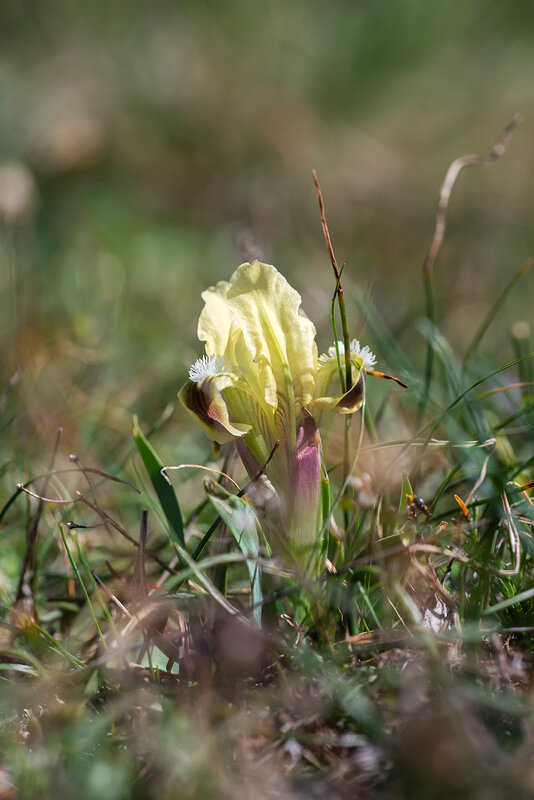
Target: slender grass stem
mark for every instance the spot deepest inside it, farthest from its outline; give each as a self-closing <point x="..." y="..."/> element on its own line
<point x="490" y="316"/>
<point x="82" y="584"/>
<point x="346" y="384"/>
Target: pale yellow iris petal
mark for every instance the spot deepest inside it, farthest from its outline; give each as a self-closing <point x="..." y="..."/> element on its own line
<point x="217" y="328"/>
<point x="254" y="323"/>
<point x="215" y="321"/>
<point x="279" y="337"/>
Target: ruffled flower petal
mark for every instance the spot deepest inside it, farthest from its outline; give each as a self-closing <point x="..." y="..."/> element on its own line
<point x="277" y="350"/>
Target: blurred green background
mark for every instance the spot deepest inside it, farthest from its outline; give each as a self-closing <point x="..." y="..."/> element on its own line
<point x="149" y="148"/>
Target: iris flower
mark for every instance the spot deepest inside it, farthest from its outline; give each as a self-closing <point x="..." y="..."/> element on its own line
<point x="260" y="382"/>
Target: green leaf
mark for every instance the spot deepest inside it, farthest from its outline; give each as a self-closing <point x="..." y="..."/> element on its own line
<point x="241" y="520"/>
<point x="163" y="489"/>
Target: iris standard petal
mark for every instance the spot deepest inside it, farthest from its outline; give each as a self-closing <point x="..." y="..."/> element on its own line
<point x="279" y="337"/>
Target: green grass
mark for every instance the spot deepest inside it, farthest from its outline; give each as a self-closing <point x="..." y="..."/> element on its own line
<point x="161" y="149"/>
<point x="136" y="661"/>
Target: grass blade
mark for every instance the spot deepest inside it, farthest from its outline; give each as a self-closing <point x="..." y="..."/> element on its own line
<point x="510" y="601"/>
<point x="163" y="489"/>
<point x="492" y="313"/>
<point x="82" y="584"/>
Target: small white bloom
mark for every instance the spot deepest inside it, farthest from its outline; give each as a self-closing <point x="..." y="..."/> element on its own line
<point x="206" y="366"/>
<point x="367" y="356"/>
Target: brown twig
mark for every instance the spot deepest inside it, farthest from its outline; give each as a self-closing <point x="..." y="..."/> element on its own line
<point x="58" y="501"/>
<point x="110" y="595"/>
<point x="261" y="471"/>
<point x="73" y="458"/>
<point x="499" y="148"/>
<point x="139" y="587"/>
<point x="325" y="230"/>
<point x="109" y="520"/>
<point x="164" y="470"/>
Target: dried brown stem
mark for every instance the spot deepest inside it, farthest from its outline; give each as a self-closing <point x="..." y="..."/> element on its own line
<point x="139" y="587"/>
<point x="110" y="521"/>
<point x="325" y="229"/>
<point x="110" y="595"/>
<point x="499" y="148"/>
<point x="261" y="471"/>
<point x="42" y="499"/>
<point x="75" y="460"/>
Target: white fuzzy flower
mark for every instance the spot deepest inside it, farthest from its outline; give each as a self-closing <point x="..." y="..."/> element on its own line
<point x="206" y="366"/>
<point x="367" y="357"/>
